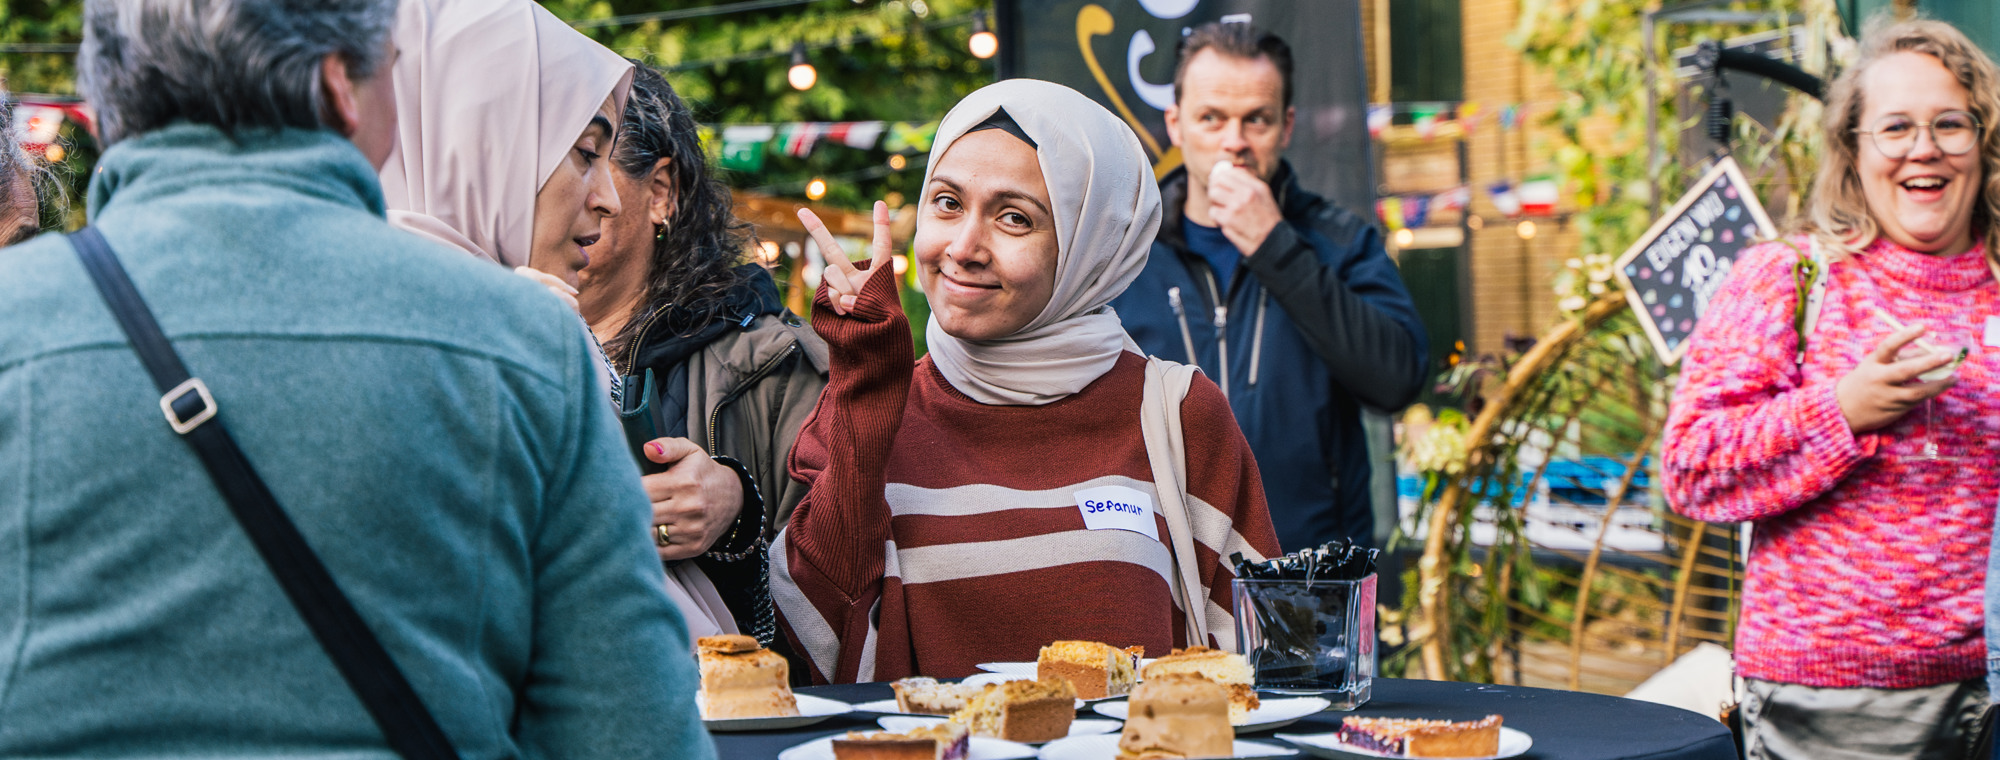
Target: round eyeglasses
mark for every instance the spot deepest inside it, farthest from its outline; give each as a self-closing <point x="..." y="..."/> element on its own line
<point x="1954" y="132"/>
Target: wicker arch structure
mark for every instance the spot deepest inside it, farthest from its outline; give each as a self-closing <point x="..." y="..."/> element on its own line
<point x="1552" y="559"/>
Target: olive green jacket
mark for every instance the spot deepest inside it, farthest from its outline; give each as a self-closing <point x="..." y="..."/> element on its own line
<point x="749" y="393"/>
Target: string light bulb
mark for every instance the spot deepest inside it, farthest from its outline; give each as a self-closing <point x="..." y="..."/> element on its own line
<point x="1405" y="238"/>
<point x="1526" y="229"/>
<point x="802" y="74"/>
<point x="816" y="189"/>
<point x="897" y="162"/>
<point x="983" y="43"/>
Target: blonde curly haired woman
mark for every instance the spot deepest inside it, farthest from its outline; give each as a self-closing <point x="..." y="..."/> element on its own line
<point x="1856" y="444"/>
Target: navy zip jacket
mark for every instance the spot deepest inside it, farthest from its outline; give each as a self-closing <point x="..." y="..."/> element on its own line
<point x="1314" y="324"/>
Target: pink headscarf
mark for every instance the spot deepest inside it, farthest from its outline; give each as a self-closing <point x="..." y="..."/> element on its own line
<point x="482" y="86"/>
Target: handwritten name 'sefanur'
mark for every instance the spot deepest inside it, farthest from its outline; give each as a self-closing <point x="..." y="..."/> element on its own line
<point x="1095" y="507"/>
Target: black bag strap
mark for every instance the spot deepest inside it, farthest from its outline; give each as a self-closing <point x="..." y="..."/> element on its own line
<point x="190" y="409"/>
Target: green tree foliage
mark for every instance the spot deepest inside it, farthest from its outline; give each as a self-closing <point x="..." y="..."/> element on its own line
<point x="892" y="60"/>
<point x="40" y="22"/>
<point x="1597" y="49"/>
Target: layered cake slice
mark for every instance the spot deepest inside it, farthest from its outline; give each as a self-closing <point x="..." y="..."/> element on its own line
<point x="1022" y="711"/>
<point x="1227" y="668"/>
<point x="1414" y="737"/>
<point x="926" y="696"/>
<point x="1095" y="669"/>
<point x="1177" y="715"/>
<point x="944" y="741"/>
<point x="740" y="679"/>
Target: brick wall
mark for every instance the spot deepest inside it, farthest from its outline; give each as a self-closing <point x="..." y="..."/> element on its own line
<point x="1512" y="279"/>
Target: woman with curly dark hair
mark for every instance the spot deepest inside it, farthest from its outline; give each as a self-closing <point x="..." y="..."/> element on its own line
<point x="733" y="373"/>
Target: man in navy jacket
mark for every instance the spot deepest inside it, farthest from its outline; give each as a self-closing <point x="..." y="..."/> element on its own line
<point x="1287" y="301"/>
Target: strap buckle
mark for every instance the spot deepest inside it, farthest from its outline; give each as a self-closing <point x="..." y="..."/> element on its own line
<point x="193" y="385"/>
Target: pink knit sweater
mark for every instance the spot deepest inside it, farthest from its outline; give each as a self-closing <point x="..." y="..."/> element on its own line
<point x="1869" y="559"/>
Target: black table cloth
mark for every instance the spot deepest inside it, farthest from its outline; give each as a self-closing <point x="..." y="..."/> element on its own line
<point x="1565" y="725"/>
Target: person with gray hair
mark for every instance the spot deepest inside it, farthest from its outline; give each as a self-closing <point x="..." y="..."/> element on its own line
<point x="453" y="466"/>
<point x="21" y="184"/>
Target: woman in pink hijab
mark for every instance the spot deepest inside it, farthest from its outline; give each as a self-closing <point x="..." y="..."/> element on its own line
<point x="506" y="122"/>
<point x="506" y="118"/>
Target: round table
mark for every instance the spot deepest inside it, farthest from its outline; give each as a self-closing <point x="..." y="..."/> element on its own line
<point x="1566" y="725"/>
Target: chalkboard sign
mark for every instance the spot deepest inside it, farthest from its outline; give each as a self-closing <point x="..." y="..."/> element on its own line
<point x="1679" y="264"/>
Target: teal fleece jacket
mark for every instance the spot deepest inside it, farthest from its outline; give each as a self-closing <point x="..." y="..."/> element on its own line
<point x="430" y="421"/>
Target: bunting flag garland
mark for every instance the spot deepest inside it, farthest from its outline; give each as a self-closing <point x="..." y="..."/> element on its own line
<point x="797" y="139"/>
<point x="1539" y="196"/>
<point x="1390" y="210"/>
<point x="1456" y="199"/>
<point x="1534" y="197"/>
<point x="1416" y="211"/>
<point x="1430" y="120"/>
<point x="743" y="146"/>
<point x="1504" y="199"/>
<point x="856" y="134"/>
<point x="910" y="137"/>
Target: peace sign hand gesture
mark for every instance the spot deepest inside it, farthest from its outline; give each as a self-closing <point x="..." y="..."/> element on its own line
<point x="843" y="280"/>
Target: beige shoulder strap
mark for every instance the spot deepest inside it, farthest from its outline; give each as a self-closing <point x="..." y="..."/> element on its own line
<point x="1160" y="419"/>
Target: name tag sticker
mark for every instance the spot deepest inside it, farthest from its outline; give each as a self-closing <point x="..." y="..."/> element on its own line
<point x="1992" y="331"/>
<point x="1117" y="508"/>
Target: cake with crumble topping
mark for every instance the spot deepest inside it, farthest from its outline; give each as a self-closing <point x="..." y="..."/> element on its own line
<point x="1097" y="670"/>
<point x="1022" y="711"/>
<point x="740" y="679"/>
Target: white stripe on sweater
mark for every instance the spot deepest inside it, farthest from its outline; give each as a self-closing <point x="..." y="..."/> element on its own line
<point x="986" y="498"/>
<point x="951" y="562"/>
<point x="1212" y="527"/>
<point x="816" y="636"/>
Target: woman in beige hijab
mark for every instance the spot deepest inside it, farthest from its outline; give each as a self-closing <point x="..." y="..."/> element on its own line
<point x="506" y="119"/>
<point x="1024" y="482"/>
<point x="506" y="122"/>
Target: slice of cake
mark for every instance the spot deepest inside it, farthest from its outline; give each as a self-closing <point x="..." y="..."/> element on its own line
<point x="1413" y="737"/>
<point x="1022" y="711"/>
<point x="1094" y="669"/>
<point x="1227" y="668"/>
<point x="740" y="679"/>
<point x="944" y="741"/>
<point x="1177" y="715"/>
<point x="925" y="696"/>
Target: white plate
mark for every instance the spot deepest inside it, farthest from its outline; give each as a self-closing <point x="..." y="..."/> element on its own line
<point x="1105" y="746"/>
<point x="1028" y="668"/>
<point x="1512" y="743"/>
<point x="811" y="710"/>
<point x="1270" y="713"/>
<point x="1078" y="727"/>
<point x="980" y="748"/>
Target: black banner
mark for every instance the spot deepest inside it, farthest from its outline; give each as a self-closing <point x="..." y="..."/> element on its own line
<point x="1121" y="53"/>
<point x="1678" y="265"/>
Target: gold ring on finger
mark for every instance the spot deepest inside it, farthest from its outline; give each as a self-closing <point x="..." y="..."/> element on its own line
<point x="663" y="535"/>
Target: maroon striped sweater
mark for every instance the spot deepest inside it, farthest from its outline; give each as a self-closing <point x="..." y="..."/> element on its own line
<point x="939" y="532"/>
